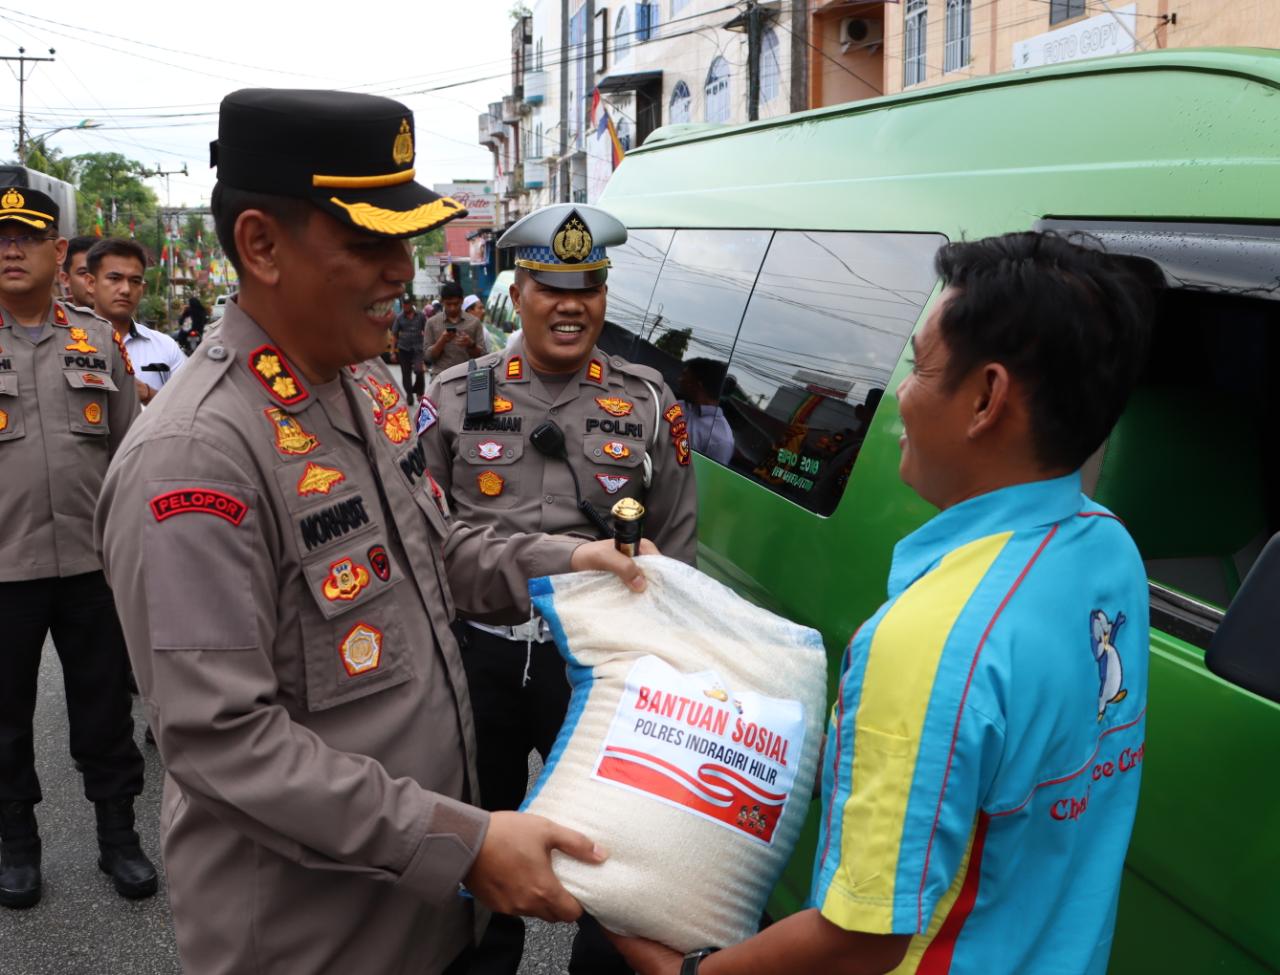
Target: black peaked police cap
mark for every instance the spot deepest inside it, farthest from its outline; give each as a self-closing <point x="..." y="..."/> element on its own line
<point x="349" y="154"/>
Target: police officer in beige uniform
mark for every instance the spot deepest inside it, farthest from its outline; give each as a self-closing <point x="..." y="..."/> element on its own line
<point x="621" y="435"/>
<point x="311" y="707"/>
<point x="67" y="397"/>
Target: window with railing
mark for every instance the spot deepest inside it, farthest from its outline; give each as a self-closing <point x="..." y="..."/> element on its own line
<point x="915" y="28"/>
<point x="681" y="103"/>
<point x="770" y="67"/>
<point x="956" y="53"/>
<point x="717" y="91"/>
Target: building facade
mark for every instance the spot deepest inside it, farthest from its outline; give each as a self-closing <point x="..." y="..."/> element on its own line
<point x="653" y="64"/>
<point x="866" y="49"/>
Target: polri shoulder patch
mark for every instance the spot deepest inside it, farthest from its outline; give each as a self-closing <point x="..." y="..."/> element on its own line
<point x="187" y="501"/>
<point x="268" y="364"/>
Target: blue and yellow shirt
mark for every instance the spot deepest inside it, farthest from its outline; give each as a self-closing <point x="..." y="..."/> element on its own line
<point x="982" y="767"/>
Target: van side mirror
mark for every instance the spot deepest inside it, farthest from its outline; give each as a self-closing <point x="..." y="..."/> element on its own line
<point x="1244" y="649"/>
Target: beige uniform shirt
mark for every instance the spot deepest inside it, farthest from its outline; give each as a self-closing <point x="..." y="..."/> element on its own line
<point x="494" y="477"/>
<point x="276" y="555"/>
<point x="66" y="400"/>
<point x="453" y="353"/>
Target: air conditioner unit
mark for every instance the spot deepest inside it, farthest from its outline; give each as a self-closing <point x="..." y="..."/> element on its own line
<point x="860" y="33"/>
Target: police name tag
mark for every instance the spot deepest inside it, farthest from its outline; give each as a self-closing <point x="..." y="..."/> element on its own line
<point x="691" y="741"/>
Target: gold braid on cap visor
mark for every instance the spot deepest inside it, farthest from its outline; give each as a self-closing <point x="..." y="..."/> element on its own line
<point x="539" y="266"/>
<point x="383" y="221"/>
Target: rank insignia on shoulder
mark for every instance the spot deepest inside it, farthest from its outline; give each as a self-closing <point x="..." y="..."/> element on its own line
<point x="427" y="416"/>
<point x="4" y="420"/>
<point x="60" y="316"/>
<point x="515" y="368"/>
<point x="397" y="426"/>
<point x="361" y="649"/>
<point x="489" y="449"/>
<point x="93" y="413"/>
<point x="186" y="501"/>
<point x="490" y="483"/>
<point x="290" y="437"/>
<point x="501" y="405"/>
<point x="682" y="450"/>
<point x="319" y="480"/>
<point x="346" y="579"/>
<point x="269" y="365"/>
<point x="612" y="483"/>
<point x="674" y="413"/>
<point x="614" y="405"/>
<point x="124" y="353"/>
<point x="595" y="371"/>
<point x="79" y="339"/>
<point x="380" y="562"/>
<point x="617" y="450"/>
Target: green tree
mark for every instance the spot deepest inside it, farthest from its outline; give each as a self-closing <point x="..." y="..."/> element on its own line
<point x="114" y="181"/>
<point x="426" y="247"/>
<point x="48" y="159"/>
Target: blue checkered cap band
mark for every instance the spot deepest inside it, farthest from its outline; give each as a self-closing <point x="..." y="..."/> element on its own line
<point x="544" y="255"/>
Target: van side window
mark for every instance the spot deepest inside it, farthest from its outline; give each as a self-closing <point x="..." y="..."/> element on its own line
<point x="827" y="323"/>
<point x="1190" y="466"/>
<point x="632" y="276"/>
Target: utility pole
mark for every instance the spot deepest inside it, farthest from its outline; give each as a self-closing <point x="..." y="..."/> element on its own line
<point x="753" y="61"/>
<point x="168" y="207"/>
<point x="23" y="61"/>
<point x="564" y="101"/>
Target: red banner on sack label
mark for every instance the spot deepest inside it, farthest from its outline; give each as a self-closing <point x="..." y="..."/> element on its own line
<point x="688" y="740"/>
<point x="198" y="501"/>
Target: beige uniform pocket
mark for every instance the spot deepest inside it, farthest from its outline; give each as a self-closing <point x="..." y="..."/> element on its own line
<point x="489" y="475"/>
<point x="87" y="401"/>
<point x="353" y="637"/>
<point x="11" y="424"/>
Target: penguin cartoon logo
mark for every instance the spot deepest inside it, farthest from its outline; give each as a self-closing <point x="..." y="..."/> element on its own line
<point x="1102" y="639"/>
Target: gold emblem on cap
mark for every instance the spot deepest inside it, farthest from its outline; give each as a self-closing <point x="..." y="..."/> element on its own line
<point x="402" y="149"/>
<point x="13" y="200"/>
<point x="572" y="241"/>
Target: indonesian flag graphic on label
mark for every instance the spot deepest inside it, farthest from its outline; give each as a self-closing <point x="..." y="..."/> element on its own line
<point x="689" y="740"/>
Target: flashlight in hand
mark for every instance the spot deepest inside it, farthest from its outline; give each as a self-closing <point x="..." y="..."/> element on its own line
<point x="628" y="526"/>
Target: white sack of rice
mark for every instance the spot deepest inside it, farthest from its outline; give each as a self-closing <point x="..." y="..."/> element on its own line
<point x="689" y="750"/>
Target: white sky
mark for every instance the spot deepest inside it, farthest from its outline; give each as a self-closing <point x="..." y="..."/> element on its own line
<point x="158" y="104"/>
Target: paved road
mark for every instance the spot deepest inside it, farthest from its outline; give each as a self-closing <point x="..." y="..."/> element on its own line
<point x="81" y="926"/>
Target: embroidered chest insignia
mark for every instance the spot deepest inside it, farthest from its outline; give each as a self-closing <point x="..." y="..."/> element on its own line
<point x="501" y="405"/>
<point x="269" y="365"/>
<point x="93" y="413"/>
<point x="361" y="649"/>
<point x="490" y="483"/>
<point x="380" y="562"/>
<point x="515" y="368"/>
<point x="617" y="450"/>
<point x="595" y="371"/>
<point x="612" y="483"/>
<point x="614" y="405"/>
<point x="79" y="340"/>
<point x="4" y="420"/>
<point x="90" y="379"/>
<point x="346" y="579"/>
<point x="290" y="437"/>
<point x="397" y="425"/>
<point x="489" y="449"/>
<point x="319" y="480"/>
<point x="387" y="395"/>
<point x="427" y="416"/>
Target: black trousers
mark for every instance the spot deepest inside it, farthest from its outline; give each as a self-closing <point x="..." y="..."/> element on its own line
<point x="512" y="719"/>
<point x="412" y="377"/>
<point x="86" y="634"/>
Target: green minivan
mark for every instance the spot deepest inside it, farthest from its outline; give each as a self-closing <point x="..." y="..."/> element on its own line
<point x="777" y="269"/>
